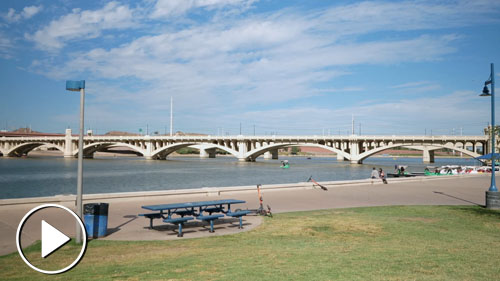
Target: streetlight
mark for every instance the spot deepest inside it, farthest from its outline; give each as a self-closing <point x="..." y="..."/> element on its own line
<point x="79" y="86"/>
<point x="492" y="195"/>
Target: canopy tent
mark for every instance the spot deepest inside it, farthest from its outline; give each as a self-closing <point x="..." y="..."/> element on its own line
<point x="489" y="156"/>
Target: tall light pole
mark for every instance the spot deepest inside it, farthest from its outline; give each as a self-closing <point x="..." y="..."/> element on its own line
<point x="352" y="131"/>
<point x="492" y="195"/>
<point x="79" y="86"/>
<point x="171" y="116"/>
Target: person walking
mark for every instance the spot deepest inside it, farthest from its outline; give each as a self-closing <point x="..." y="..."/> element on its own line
<point x="374" y="174"/>
<point x="382" y="175"/>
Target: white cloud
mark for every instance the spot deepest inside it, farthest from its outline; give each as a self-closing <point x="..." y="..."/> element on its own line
<point x="30" y="11"/>
<point x="338" y="90"/>
<point x="369" y="16"/>
<point x="26" y="13"/>
<point x="401" y="117"/>
<point x="416" y="87"/>
<point x="6" y="46"/>
<point x="410" y="84"/>
<point x="262" y="59"/>
<point x="82" y="25"/>
<point x="175" y="8"/>
<point x="257" y="61"/>
<point x="407" y="116"/>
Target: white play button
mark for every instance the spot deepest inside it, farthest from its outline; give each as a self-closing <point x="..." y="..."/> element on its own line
<point x="52" y="239"/>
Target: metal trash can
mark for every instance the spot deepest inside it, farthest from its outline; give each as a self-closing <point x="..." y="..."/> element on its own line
<point x="96" y="219"/>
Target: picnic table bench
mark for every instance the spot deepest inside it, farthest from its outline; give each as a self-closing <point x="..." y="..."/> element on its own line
<point x="239" y="215"/>
<point x="196" y="209"/>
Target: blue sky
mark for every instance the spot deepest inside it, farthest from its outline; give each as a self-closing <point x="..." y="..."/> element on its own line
<point x="290" y="67"/>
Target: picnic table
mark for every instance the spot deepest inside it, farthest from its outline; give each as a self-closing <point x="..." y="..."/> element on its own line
<point x="187" y="211"/>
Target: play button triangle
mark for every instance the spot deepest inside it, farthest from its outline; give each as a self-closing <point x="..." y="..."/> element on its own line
<point x="52" y="239"/>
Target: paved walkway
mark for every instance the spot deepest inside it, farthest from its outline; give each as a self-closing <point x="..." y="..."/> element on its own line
<point x="124" y="224"/>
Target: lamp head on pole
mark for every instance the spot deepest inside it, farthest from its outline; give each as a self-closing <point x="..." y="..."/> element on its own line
<point x="75" y="86"/>
<point x="486" y="92"/>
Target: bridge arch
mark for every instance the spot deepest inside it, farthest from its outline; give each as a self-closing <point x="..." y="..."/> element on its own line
<point x="163" y="152"/>
<point x="25" y="148"/>
<point x="369" y="153"/>
<point x="90" y="149"/>
<point x="221" y="147"/>
<point x="253" y="154"/>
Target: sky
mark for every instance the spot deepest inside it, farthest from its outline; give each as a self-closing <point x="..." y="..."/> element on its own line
<point x="267" y="67"/>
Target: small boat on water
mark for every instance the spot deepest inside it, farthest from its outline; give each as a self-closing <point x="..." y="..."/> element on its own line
<point x="285" y="164"/>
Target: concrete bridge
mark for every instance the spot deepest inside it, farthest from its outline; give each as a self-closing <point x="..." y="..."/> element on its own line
<point x="247" y="148"/>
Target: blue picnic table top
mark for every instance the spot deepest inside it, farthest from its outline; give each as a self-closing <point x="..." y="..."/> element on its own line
<point x="188" y="205"/>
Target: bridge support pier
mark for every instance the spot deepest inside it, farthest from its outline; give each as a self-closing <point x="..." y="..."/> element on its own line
<point x="340" y="157"/>
<point x="356" y="162"/>
<point x="68" y="145"/>
<point x="5" y="145"/>
<point x="428" y="156"/>
<point x="207" y="153"/>
<point x="149" y="148"/>
<point x="272" y="154"/>
<point x="354" y="151"/>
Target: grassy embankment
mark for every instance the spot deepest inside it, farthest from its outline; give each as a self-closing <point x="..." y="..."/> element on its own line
<point x="379" y="243"/>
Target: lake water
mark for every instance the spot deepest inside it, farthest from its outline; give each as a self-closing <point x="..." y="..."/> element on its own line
<point x="48" y="176"/>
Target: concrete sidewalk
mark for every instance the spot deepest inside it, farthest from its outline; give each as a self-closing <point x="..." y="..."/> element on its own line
<point x="124" y="224"/>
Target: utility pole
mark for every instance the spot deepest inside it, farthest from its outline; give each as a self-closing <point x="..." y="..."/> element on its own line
<point x="171" y="116"/>
<point x="240" y="128"/>
<point x="352" y="128"/>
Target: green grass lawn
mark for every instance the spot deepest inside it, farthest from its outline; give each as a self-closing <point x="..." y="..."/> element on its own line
<point x="378" y="243"/>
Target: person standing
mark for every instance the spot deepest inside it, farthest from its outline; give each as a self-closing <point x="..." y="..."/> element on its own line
<point x="382" y="175"/>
